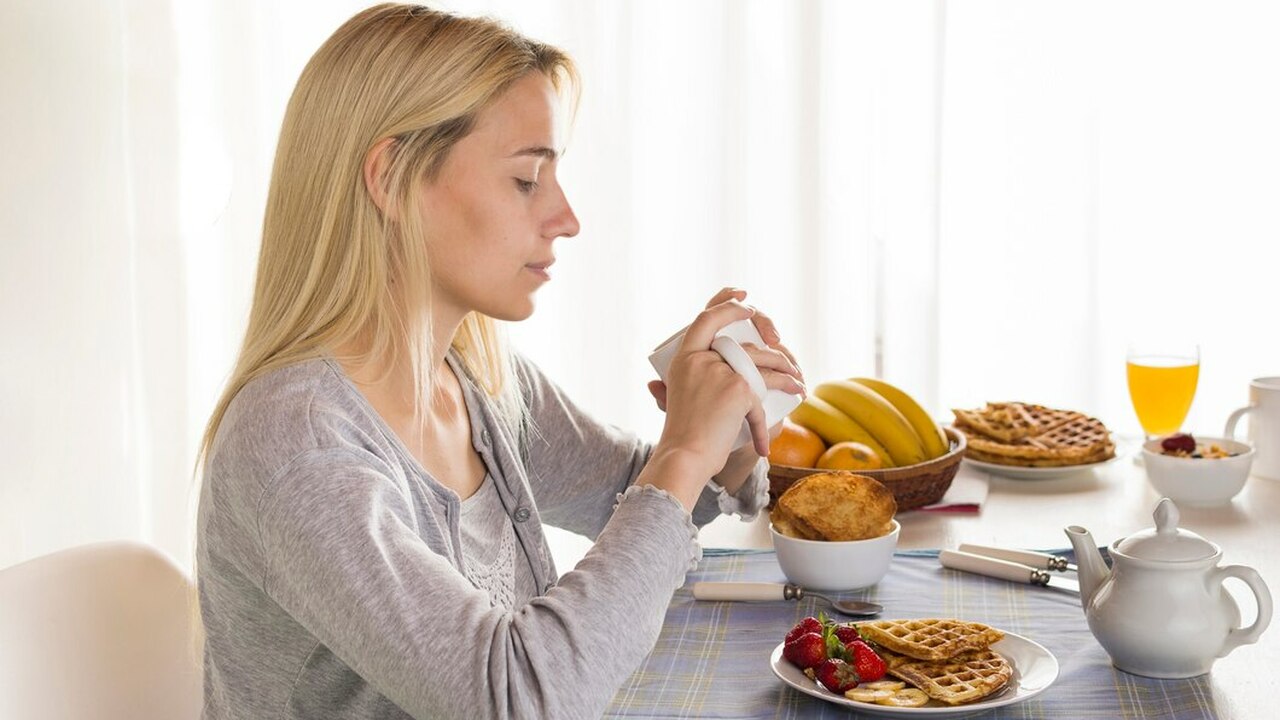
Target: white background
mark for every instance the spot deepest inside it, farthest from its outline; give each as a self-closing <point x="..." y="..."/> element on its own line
<point x="977" y="200"/>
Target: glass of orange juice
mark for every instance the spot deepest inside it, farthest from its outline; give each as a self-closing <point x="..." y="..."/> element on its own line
<point x="1162" y="383"/>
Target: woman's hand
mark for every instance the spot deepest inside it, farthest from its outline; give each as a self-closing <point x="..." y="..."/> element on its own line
<point x="706" y="400"/>
<point x="777" y="365"/>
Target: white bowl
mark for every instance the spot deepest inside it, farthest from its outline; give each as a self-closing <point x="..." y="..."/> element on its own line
<point x="842" y="565"/>
<point x="1198" y="482"/>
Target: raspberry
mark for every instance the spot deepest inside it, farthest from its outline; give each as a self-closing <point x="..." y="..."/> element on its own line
<point x="1178" y="442"/>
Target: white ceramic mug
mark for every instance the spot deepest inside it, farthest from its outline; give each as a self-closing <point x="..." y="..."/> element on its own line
<point x="728" y="343"/>
<point x="1264" y="425"/>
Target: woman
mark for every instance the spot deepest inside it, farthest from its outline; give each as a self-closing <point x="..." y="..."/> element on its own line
<point x="378" y="469"/>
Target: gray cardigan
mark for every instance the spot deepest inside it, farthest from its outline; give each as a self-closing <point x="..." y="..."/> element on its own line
<point x="328" y="561"/>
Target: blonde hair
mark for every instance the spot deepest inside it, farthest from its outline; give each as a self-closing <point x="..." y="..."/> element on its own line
<point x="331" y="264"/>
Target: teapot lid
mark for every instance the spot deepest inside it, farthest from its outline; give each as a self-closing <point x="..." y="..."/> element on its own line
<point x="1166" y="541"/>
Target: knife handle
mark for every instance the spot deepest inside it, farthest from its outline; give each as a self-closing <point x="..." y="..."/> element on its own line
<point x="738" y="591"/>
<point x="1044" y="561"/>
<point x="989" y="566"/>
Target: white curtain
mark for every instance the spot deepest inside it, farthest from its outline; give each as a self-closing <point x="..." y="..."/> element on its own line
<point x="95" y="351"/>
<point x="977" y="200"/>
<point x="1110" y="171"/>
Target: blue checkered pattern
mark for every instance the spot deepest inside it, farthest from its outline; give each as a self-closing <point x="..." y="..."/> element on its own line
<point x="712" y="658"/>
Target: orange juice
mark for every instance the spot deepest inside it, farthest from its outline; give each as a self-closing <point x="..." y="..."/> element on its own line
<point x="1161" y="389"/>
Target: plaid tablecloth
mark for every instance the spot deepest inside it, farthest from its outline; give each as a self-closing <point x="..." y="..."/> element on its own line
<point x="712" y="658"/>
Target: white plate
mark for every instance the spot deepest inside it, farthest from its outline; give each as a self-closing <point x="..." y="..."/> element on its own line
<point x="1036" y="473"/>
<point x="1034" y="670"/>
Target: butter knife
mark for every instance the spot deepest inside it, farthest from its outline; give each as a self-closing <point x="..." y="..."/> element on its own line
<point x="1044" y="561"/>
<point x="1006" y="570"/>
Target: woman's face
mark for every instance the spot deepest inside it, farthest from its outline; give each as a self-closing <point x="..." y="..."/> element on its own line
<point x="496" y="207"/>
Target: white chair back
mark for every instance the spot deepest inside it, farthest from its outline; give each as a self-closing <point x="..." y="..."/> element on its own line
<point x="100" y="631"/>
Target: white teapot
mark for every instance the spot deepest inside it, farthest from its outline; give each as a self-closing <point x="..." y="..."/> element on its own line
<point x="1161" y="610"/>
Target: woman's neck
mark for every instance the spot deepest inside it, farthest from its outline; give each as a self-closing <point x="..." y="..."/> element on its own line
<point x="388" y="382"/>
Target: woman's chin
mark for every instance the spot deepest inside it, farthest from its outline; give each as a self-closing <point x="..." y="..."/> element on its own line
<point x="515" y="311"/>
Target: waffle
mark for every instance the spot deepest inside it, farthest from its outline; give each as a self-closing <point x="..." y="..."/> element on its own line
<point x="931" y="638"/>
<point x="892" y="659"/>
<point x="1012" y="421"/>
<point x="997" y="459"/>
<point x="964" y="678"/>
<point x="1077" y="440"/>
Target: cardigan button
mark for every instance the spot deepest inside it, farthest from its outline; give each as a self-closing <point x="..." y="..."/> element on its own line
<point x="522" y="514"/>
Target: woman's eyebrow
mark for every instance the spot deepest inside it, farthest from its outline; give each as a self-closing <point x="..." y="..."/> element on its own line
<point x="537" y="151"/>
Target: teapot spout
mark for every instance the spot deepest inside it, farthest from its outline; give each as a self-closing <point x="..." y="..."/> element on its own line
<point x="1092" y="568"/>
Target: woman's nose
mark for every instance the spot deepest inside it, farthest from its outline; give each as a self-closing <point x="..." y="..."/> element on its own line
<point x="565" y="222"/>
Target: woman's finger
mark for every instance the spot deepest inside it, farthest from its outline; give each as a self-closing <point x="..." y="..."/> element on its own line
<point x="759" y="430"/>
<point x="658" y="390"/>
<point x="785" y="382"/>
<point x="768" y="331"/>
<point x="729" y="293"/>
<point x="771" y="359"/>
<point x="711" y="321"/>
<point x="786" y="351"/>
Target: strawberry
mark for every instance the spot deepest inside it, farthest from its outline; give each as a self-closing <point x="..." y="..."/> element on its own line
<point x="847" y="633"/>
<point x="837" y="675"/>
<point x="806" y="651"/>
<point x="835" y="646"/>
<point x="869" y="665"/>
<point x="807" y="625"/>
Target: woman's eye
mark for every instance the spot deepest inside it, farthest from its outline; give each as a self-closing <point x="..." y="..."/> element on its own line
<point x="526" y="186"/>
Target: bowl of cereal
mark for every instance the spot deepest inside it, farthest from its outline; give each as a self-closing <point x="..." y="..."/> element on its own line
<point x="1197" y="471"/>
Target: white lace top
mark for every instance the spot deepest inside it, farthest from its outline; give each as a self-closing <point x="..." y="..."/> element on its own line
<point x="493" y="562"/>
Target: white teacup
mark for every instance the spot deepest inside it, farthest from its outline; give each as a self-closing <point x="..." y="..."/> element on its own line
<point x="728" y="343"/>
<point x="1264" y="425"/>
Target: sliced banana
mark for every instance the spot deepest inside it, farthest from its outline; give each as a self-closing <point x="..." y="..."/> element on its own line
<point x="907" y="697"/>
<point x="868" y="695"/>
<point x="891" y="685"/>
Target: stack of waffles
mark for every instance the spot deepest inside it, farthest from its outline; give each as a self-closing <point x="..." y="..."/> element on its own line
<point x="1014" y="433"/>
<point x="950" y="660"/>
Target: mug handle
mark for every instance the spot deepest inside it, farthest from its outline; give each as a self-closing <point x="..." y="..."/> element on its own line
<point x="1244" y="636"/>
<point x="1230" y="432"/>
<point x="741" y="362"/>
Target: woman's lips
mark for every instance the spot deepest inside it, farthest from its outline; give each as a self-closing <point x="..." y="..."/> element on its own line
<point x="540" y="269"/>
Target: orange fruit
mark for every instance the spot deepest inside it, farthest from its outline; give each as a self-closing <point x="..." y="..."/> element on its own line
<point x="796" y="445"/>
<point x="849" y="455"/>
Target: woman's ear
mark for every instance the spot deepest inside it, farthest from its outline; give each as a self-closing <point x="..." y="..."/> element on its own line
<point x="376" y="163"/>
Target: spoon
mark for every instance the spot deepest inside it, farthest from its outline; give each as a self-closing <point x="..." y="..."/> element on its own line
<point x="766" y="591"/>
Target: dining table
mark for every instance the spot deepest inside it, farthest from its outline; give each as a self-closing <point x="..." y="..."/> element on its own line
<point x="713" y="659"/>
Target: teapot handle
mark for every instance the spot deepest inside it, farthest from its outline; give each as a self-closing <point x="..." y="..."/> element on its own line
<point x="1244" y="636"/>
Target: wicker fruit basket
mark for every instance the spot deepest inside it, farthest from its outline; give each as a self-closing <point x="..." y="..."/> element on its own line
<point x="913" y="486"/>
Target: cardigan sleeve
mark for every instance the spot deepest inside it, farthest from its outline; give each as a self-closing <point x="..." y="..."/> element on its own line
<point x="344" y="558"/>
<point x="577" y="464"/>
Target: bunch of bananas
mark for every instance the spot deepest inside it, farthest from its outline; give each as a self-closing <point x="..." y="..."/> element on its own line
<point x="876" y="414"/>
